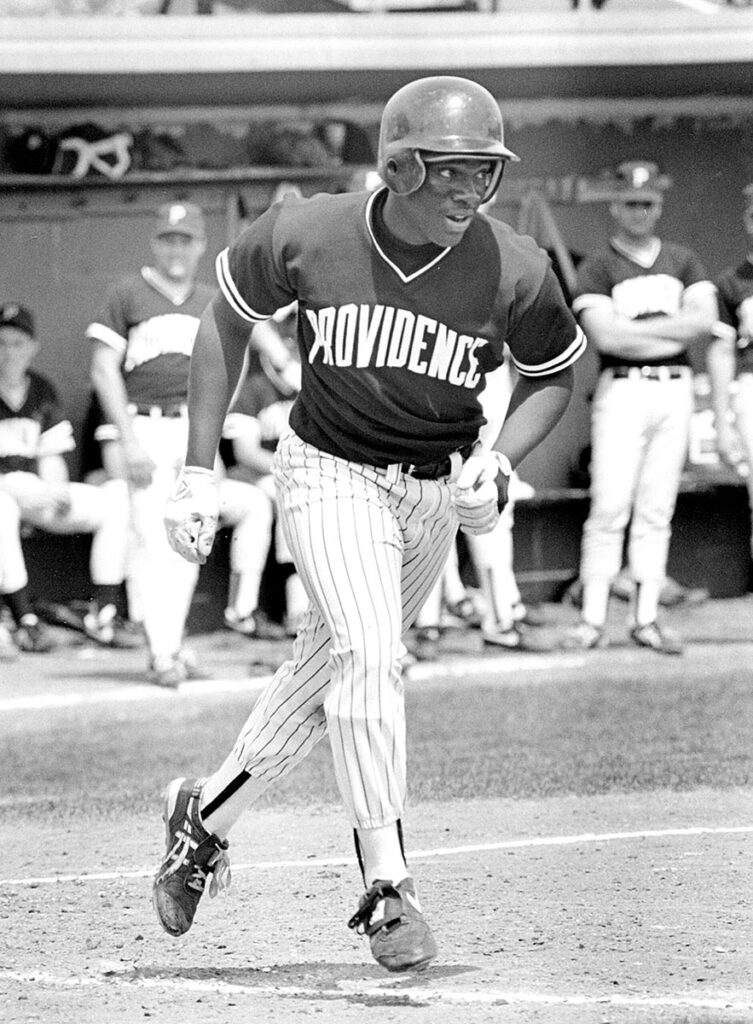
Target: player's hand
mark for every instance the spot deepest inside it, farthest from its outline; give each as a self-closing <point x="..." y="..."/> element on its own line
<point x="481" y="491"/>
<point x="35" y="498"/>
<point x="139" y="466"/>
<point x="192" y="513"/>
<point x="728" y="445"/>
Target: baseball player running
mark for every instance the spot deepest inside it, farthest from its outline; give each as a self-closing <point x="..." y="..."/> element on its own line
<point x="643" y="303"/>
<point x="406" y="298"/>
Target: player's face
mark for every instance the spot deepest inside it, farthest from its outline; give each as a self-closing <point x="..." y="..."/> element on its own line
<point x="17" y="350"/>
<point x="637" y="218"/>
<point x="177" y="256"/>
<point x="442" y="209"/>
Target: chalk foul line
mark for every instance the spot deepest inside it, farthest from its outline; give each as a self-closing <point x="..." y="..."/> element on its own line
<point x="413" y="855"/>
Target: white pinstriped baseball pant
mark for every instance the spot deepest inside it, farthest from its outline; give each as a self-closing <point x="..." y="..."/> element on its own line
<point x="368" y="544"/>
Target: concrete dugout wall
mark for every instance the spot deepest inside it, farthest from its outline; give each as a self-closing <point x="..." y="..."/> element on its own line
<point x="62" y="247"/>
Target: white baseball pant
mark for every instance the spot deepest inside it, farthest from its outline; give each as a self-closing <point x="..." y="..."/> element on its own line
<point x="163" y="582"/>
<point x="640" y="431"/>
<point x="99" y="510"/>
<point x="368" y="545"/>
<point x="743" y="408"/>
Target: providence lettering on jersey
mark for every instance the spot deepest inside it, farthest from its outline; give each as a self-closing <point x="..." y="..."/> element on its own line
<point x="384" y="336"/>
<point x="393" y="364"/>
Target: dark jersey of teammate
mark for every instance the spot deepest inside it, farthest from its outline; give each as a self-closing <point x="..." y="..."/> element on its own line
<point x="263" y="403"/>
<point x="36" y="429"/>
<point x="735" y="285"/>
<point x="636" y="291"/>
<point x="395" y="340"/>
<point x="153" y="334"/>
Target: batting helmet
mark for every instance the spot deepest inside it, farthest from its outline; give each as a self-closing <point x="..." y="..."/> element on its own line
<point x="440" y="115"/>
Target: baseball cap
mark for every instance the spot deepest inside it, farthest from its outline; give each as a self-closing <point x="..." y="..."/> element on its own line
<point x="180" y="219"/>
<point x="640" y="179"/>
<point x="13" y="315"/>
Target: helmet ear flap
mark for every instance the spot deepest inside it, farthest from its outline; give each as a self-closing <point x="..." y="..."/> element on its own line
<point x="403" y="171"/>
<point x="496" y="180"/>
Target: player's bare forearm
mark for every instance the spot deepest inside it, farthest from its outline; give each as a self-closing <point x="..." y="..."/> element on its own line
<point x="720" y="362"/>
<point x="650" y="338"/>
<point x="216" y="364"/>
<point x="109" y="386"/>
<point x="536" y="407"/>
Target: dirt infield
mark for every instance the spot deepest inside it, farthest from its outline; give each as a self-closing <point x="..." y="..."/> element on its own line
<point x="628" y="905"/>
<point x="600" y="909"/>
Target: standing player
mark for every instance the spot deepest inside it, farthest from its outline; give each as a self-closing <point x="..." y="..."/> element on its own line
<point x="406" y="298"/>
<point x="730" y="360"/>
<point x="141" y="348"/>
<point x="643" y="303"/>
<point x="35" y="490"/>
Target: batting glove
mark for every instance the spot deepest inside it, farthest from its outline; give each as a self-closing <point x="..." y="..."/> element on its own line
<point x="481" y="491"/>
<point x="192" y="513"/>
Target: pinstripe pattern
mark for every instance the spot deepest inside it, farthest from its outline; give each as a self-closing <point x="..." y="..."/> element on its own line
<point x="368" y="545"/>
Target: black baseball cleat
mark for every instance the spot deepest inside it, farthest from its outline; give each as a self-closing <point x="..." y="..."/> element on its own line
<point x="192" y="856"/>
<point x="399" y="936"/>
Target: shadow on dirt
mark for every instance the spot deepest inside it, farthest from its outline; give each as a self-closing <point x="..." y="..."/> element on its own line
<point x="355" y="983"/>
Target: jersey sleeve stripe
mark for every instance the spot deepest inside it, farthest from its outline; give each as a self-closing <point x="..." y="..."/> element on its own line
<point x="699" y="289"/>
<point x="100" y="332"/>
<point x="724" y="332"/>
<point x="573" y="352"/>
<point x="238" y="424"/>
<point x="590" y="300"/>
<point x="231" y="293"/>
<point x="56" y="440"/>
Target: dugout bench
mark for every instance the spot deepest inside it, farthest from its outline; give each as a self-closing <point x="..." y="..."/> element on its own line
<point x="710" y="548"/>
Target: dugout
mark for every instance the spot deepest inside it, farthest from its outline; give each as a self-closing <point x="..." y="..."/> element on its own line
<point x="66" y="238"/>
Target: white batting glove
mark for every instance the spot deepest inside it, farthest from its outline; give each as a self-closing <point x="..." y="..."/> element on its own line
<point x="192" y="513"/>
<point x="481" y="491"/>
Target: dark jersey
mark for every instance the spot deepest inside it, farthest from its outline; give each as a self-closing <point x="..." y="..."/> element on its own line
<point x="36" y="429"/>
<point x="735" y="285"/>
<point x="263" y="404"/>
<point x="153" y="334"/>
<point x="394" y="361"/>
<point x="637" y="292"/>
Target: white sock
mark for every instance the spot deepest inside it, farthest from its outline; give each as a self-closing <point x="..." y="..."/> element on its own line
<point x="232" y="801"/>
<point x="382" y="854"/>
<point x="647" y="602"/>
<point x="595" y="602"/>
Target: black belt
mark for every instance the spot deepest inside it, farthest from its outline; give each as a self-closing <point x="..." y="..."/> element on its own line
<point x="648" y="372"/>
<point x="433" y="470"/>
<point x="170" y="411"/>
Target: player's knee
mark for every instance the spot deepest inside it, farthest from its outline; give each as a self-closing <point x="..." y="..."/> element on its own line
<point x="10" y="513"/>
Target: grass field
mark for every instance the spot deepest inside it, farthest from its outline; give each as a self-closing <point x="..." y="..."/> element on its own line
<point x="579" y="826"/>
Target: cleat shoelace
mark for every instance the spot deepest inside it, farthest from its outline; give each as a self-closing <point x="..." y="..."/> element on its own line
<point x="370" y="916"/>
<point x="209" y="857"/>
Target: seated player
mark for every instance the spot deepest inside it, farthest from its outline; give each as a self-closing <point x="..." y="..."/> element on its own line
<point x="36" y="492"/>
